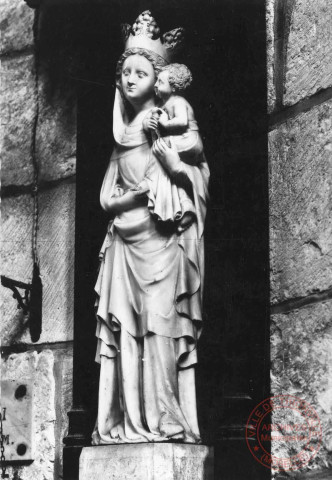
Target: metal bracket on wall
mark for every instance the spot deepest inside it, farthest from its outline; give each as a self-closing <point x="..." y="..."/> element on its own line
<point x="22" y="302"/>
<point x="31" y="302"/>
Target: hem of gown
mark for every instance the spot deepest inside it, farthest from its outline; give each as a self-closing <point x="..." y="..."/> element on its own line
<point x="186" y="326"/>
<point x="183" y="437"/>
<point x="108" y="346"/>
<point x="96" y="442"/>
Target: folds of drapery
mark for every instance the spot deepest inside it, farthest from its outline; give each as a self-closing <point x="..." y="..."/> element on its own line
<point x="150" y="281"/>
<point x="149" y="298"/>
<point x="142" y="395"/>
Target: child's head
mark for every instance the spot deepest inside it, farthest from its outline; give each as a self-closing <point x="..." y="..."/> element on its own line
<point x="174" y="78"/>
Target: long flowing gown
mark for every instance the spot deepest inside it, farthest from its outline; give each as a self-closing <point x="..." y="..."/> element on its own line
<point x="149" y="299"/>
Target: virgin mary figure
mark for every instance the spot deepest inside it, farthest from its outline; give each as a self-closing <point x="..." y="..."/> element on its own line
<point x="150" y="283"/>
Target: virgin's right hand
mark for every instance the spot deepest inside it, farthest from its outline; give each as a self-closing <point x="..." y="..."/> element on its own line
<point x="129" y="200"/>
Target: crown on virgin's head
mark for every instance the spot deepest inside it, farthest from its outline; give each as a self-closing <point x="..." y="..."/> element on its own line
<point x="145" y="33"/>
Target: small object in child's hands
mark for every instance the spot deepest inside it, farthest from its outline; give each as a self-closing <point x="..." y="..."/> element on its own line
<point x="141" y="188"/>
<point x="155" y="113"/>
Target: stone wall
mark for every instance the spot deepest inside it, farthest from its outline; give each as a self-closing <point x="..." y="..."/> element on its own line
<point x="300" y="158"/>
<point x="38" y="118"/>
<point x="38" y="121"/>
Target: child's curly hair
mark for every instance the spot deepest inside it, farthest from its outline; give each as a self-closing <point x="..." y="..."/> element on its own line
<point x="179" y="76"/>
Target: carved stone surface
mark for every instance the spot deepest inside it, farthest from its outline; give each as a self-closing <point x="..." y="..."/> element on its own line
<point x="56" y="130"/>
<point x="17" y="89"/>
<point x="300" y="205"/>
<point x="150" y="281"/>
<point x="16" y="405"/>
<point x="309" y="53"/>
<point x="48" y="377"/>
<point x="147" y="462"/>
<point x="271" y="94"/>
<point x="16" y="261"/>
<point x="301" y="365"/>
<point x="63" y="375"/>
<point x="16" y="26"/>
<point x="38" y="369"/>
<point x="56" y="249"/>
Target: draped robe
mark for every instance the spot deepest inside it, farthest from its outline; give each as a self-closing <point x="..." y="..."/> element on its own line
<point x="149" y="298"/>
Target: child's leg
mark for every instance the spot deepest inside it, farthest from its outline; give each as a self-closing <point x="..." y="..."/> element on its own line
<point x="189" y="146"/>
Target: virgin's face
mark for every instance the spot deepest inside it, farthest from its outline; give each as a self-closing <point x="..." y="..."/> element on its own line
<point x="138" y="79"/>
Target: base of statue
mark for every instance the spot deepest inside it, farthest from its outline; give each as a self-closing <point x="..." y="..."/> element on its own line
<point x="147" y="461"/>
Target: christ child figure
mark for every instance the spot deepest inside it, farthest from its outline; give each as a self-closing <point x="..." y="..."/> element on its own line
<point x="176" y="115"/>
<point x="175" y="122"/>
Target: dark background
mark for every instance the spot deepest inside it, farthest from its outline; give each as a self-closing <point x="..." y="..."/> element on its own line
<point x="225" y="48"/>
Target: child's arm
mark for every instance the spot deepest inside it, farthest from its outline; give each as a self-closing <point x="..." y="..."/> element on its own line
<point x="180" y="119"/>
<point x="150" y="121"/>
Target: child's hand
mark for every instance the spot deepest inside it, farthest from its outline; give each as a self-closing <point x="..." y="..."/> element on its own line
<point x="150" y="124"/>
<point x="150" y="121"/>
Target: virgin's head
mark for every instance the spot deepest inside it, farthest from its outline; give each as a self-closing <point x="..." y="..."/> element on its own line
<point x="136" y="74"/>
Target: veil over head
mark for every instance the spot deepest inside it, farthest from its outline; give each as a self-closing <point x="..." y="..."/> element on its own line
<point x="142" y="38"/>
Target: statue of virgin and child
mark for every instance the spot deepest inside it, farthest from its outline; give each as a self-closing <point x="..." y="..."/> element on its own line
<point x="150" y="282"/>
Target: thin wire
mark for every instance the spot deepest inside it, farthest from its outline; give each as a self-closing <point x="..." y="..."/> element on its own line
<point x="33" y="147"/>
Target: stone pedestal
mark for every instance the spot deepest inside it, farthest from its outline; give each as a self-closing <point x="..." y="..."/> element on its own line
<point x="147" y="461"/>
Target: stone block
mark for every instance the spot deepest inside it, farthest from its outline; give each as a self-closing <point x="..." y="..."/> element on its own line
<point x="56" y="252"/>
<point x="16" y="25"/>
<point x="56" y="125"/>
<point x="271" y="93"/>
<point x="300" y="152"/>
<point x="16" y="261"/>
<point x="147" y="461"/>
<point x="56" y="130"/>
<point x="18" y="111"/>
<point x="56" y="241"/>
<point x="38" y="368"/>
<point x="63" y="374"/>
<point x="301" y="364"/>
<point x="309" y="53"/>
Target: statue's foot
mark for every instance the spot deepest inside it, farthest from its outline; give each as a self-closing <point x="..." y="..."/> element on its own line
<point x="191" y="438"/>
<point x="95" y="438"/>
<point x="170" y="428"/>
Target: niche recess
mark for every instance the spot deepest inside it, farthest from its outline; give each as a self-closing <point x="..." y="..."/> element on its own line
<point x="225" y="50"/>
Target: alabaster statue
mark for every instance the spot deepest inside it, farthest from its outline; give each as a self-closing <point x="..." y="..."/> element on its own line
<point x="150" y="283"/>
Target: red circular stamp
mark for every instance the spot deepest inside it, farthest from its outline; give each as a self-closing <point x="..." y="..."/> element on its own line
<point x="283" y="433"/>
